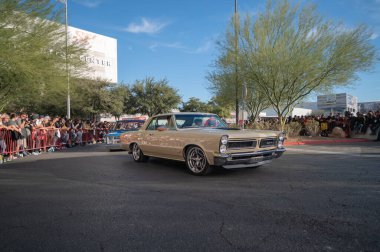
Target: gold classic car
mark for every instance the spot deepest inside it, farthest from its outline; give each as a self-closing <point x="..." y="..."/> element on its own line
<point x="202" y="141"/>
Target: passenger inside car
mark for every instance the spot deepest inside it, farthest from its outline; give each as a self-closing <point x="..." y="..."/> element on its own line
<point x="197" y="122"/>
<point x="211" y="122"/>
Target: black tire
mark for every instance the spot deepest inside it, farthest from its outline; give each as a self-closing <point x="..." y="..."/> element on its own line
<point x="137" y="154"/>
<point x="196" y="162"/>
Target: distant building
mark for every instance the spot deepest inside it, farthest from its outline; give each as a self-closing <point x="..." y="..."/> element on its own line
<point x="337" y="103"/>
<point x="101" y="55"/>
<point x="270" y="112"/>
<point x="308" y="105"/>
<point x="364" y="107"/>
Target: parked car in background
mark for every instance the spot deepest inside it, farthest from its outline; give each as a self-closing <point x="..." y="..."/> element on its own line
<point x="203" y="141"/>
<point x="121" y="127"/>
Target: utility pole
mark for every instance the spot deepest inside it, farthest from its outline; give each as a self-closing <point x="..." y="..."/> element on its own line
<point x="236" y="66"/>
<point x="67" y="64"/>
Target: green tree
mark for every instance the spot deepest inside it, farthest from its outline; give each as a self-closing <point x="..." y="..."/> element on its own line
<point x="153" y="97"/>
<point x="194" y="105"/>
<point x="216" y="107"/>
<point x="287" y="53"/>
<point x="291" y="51"/>
<point x="32" y="54"/>
<point x="255" y="101"/>
<point x="121" y="100"/>
<point x="94" y="97"/>
<point x="226" y="80"/>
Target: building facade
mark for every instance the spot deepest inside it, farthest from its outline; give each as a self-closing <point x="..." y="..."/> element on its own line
<point x="365" y="107"/>
<point x="337" y="103"/>
<point x="101" y="55"/>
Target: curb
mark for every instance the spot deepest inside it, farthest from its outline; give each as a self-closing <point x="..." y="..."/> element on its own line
<point x="333" y="141"/>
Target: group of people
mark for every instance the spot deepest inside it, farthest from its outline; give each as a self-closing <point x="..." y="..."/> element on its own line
<point x="351" y="124"/>
<point x="22" y="134"/>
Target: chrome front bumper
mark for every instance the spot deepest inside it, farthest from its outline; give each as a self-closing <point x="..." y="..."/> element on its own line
<point x="247" y="159"/>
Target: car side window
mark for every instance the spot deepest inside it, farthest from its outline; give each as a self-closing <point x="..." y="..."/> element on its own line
<point x="152" y="124"/>
<point x="166" y="122"/>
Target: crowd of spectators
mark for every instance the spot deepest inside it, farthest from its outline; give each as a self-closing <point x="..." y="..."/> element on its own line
<point x="351" y="124"/>
<point x="29" y="134"/>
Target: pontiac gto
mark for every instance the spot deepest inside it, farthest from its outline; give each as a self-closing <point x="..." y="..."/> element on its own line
<point x="203" y="141"/>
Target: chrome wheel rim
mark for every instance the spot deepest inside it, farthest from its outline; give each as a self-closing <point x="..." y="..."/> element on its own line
<point x="196" y="160"/>
<point x="136" y="152"/>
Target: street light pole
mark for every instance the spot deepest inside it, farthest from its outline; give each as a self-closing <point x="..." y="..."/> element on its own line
<point x="236" y="66"/>
<point x="67" y="64"/>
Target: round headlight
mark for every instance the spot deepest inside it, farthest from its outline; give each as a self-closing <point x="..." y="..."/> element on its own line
<point x="281" y="140"/>
<point x="223" y="148"/>
<point x="224" y="140"/>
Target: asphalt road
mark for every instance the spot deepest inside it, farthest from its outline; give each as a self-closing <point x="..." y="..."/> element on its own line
<point x="315" y="198"/>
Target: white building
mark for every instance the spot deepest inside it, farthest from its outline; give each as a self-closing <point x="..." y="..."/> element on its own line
<point x="102" y="54"/>
<point x="337" y="103"/>
<point x="270" y="112"/>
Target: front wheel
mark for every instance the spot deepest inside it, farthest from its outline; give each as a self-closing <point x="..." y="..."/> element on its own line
<point x="196" y="161"/>
<point x="137" y="154"/>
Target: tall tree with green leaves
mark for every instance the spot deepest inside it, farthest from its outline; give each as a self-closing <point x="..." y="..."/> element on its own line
<point x="254" y="102"/>
<point x="93" y="97"/>
<point x="121" y="100"/>
<point x="292" y="51"/>
<point x="216" y="107"/>
<point x="194" y="105"/>
<point x="226" y="79"/>
<point x="32" y="54"/>
<point x="153" y="97"/>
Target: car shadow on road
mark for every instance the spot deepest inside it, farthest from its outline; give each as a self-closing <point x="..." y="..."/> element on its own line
<point x="173" y="165"/>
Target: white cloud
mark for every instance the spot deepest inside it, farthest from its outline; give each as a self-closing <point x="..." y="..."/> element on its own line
<point x="374" y="35"/>
<point x="89" y="3"/>
<point x="205" y="47"/>
<point x="175" y="45"/>
<point x="146" y="26"/>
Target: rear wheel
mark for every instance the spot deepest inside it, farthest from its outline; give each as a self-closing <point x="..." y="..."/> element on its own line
<point x="137" y="154"/>
<point x="196" y="161"/>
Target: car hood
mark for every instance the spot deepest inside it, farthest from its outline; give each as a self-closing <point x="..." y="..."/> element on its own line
<point x="235" y="133"/>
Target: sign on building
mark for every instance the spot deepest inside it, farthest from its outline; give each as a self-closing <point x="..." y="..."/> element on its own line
<point x="102" y="54"/>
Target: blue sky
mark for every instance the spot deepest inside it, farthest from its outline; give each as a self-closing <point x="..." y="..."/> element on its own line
<point x="176" y="39"/>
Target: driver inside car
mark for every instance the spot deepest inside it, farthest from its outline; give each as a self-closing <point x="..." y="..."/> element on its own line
<point x="197" y="122"/>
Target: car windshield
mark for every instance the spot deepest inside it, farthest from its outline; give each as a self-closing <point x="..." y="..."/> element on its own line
<point x="199" y="121"/>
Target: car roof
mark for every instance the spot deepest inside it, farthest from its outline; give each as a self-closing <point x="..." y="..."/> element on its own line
<point x="184" y="113"/>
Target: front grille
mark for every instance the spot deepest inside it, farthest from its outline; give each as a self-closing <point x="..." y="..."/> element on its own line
<point x="268" y="142"/>
<point x="241" y="144"/>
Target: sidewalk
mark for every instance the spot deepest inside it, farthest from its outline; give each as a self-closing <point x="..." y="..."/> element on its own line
<point x="323" y="140"/>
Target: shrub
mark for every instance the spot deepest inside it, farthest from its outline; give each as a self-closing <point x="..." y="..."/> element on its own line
<point x="266" y="125"/>
<point x="312" y="126"/>
<point x="293" y="129"/>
